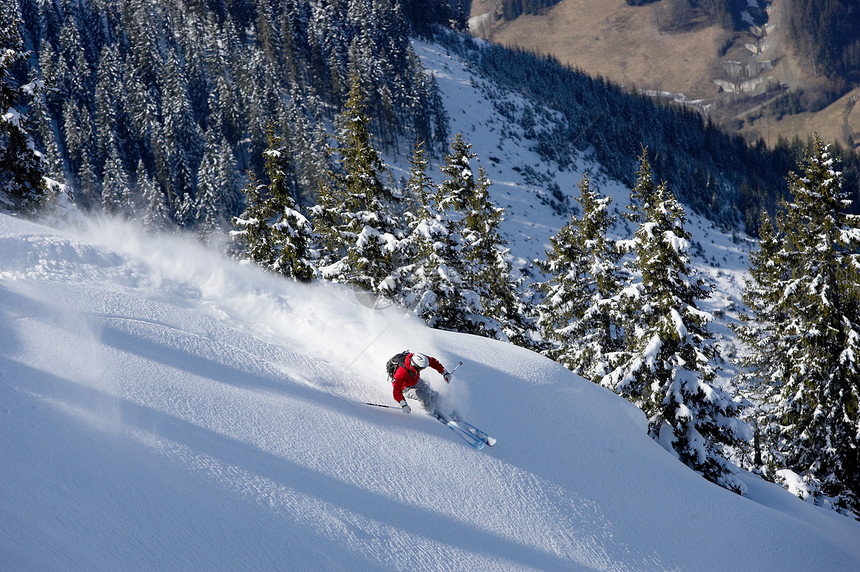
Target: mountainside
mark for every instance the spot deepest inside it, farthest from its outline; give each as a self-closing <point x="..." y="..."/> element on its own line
<point x="747" y="76"/>
<point x="537" y="195"/>
<point x="170" y="409"/>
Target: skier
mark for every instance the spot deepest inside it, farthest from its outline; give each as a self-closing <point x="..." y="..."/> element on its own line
<point x="404" y="372"/>
<point x="407" y="382"/>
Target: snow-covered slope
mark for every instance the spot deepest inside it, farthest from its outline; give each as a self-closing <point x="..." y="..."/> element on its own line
<point x="164" y="408"/>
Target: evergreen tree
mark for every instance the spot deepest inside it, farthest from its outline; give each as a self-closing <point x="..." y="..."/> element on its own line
<point x="184" y="209"/>
<point x="435" y="290"/>
<point x="759" y="326"/>
<point x="459" y="180"/>
<point x="87" y="183"/>
<point x="217" y="184"/>
<point x="453" y="204"/>
<point x="353" y="212"/>
<point x="79" y="148"/>
<point x="208" y="207"/>
<point x="470" y="268"/>
<point x="108" y="97"/>
<point x="308" y="142"/>
<point x="51" y="159"/>
<point x="183" y="141"/>
<point x="666" y="368"/>
<point x="22" y="185"/>
<point x="576" y="315"/>
<point x="253" y="234"/>
<point x="271" y="231"/>
<point x="491" y="271"/>
<point x="643" y="192"/>
<point x="155" y="215"/>
<point x="804" y="332"/>
<point x="115" y="187"/>
<point x="440" y="123"/>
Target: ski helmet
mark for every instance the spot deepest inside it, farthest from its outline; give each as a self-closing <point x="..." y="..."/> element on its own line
<point x="420" y="361"/>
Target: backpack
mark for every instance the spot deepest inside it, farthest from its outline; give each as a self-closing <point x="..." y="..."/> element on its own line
<point x="395" y="362"/>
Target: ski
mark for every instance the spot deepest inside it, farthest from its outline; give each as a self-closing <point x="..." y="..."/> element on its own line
<point x="467" y="436"/>
<point x="468" y="432"/>
<point x="477" y="433"/>
<point x="471" y="434"/>
<point x="377" y="405"/>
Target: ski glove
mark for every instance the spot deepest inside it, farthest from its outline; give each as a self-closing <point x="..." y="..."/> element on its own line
<point x="447" y="376"/>
<point x="405" y="406"/>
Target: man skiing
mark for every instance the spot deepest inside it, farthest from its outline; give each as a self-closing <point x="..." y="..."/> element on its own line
<point x="404" y="371"/>
<point x="406" y="381"/>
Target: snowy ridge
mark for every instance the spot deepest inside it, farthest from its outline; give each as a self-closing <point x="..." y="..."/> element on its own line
<point x="170" y="409"/>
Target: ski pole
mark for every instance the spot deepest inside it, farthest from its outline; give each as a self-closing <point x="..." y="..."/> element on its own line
<point x="451" y="373"/>
<point x="380" y="405"/>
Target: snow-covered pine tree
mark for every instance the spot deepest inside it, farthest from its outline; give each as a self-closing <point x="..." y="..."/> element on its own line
<point x="643" y="192"/>
<point x="765" y="356"/>
<point x="183" y="140"/>
<point x="154" y="205"/>
<point x="22" y="185"/>
<point x="488" y="295"/>
<point x="271" y="231"/>
<point x="109" y="120"/>
<point x="353" y="213"/>
<point x="492" y="272"/>
<point x="115" y="188"/>
<point x="434" y="289"/>
<point x="667" y="366"/>
<point x="208" y="205"/>
<point x="308" y="142"/>
<point x="253" y="235"/>
<point x="576" y="315"/>
<point x="216" y="186"/>
<point x="440" y="123"/>
<point x="75" y="123"/>
<point x="459" y="180"/>
<point x="804" y="331"/>
<point x="51" y="160"/>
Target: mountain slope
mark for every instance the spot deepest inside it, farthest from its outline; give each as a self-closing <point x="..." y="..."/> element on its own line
<point x="619" y="42"/>
<point x="171" y="409"/>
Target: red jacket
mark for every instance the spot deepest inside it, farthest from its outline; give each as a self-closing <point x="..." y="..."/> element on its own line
<point x="407" y="376"/>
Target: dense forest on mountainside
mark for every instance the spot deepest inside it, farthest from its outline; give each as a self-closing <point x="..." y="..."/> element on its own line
<point x="160" y="109"/>
<point x="154" y="105"/>
<point x="513" y="8"/>
<point x="827" y="34"/>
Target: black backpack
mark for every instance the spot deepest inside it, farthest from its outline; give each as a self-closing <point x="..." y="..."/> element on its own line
<point x="395" y="362"/>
